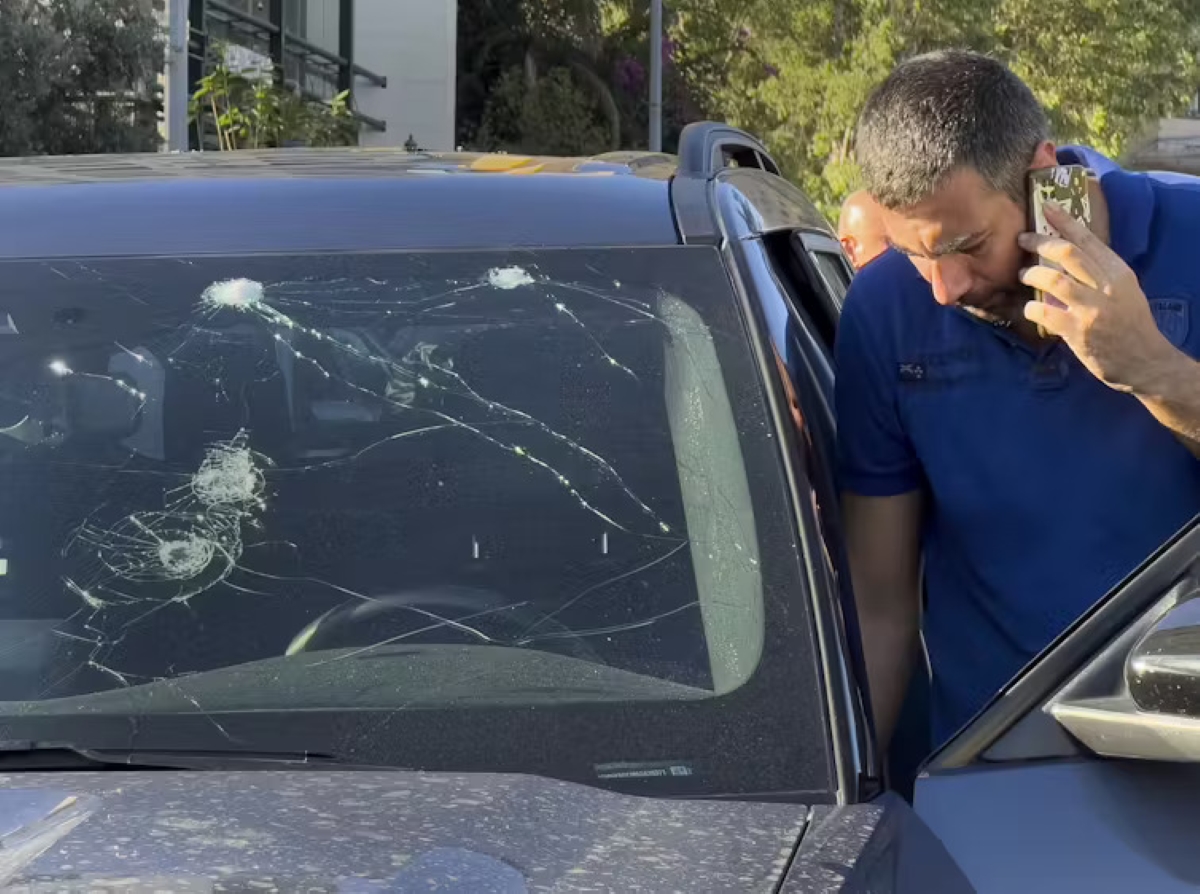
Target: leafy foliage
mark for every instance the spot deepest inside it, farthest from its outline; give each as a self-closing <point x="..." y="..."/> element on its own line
<point x="546" y="76"/>
<point x="552" y="114"/>
<point x="1104" y="68"/>
<point x="796" y="72"/>
<point x="78" y="77"/>
<point x="254" y="110"/>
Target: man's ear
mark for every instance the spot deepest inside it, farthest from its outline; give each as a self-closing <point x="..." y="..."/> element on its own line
<point x="1044" y="156"/>
<point x="850" y="246"/>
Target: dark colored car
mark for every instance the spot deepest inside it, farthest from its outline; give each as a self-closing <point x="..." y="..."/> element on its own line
<point x="468" y="523"/>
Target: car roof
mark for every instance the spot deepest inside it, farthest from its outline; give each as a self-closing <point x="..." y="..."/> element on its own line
<point x="318" y="163"/>
<point x="291" y="200"/>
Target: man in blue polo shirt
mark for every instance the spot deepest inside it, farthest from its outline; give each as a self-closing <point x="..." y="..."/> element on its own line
<point x="1030" y="474"/>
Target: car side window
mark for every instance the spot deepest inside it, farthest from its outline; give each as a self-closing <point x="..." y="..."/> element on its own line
<point x="816" y="277"/>
<point x="828" y="262"/>
<point x="807" y="379"/>
<point x="834" y="271"/>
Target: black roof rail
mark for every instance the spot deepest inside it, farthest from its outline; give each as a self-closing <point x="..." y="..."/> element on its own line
<point x="706" y="147"/>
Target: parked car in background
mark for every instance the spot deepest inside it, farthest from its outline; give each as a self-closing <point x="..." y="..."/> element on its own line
<point x="374" y="521"/>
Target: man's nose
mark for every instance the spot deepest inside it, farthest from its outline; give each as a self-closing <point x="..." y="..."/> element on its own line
<point x="950" y="280"/>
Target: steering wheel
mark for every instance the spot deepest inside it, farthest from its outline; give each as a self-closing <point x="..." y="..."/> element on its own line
<point x="472" y="612"/>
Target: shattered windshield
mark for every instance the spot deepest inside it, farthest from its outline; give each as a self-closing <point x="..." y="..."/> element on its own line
<point x="528" y="461"/>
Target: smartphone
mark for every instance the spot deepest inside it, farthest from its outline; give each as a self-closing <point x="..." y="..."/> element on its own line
<point x="1068" y="186"/>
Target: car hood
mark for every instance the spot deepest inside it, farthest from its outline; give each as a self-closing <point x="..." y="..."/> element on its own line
<point x="368" y="831"/>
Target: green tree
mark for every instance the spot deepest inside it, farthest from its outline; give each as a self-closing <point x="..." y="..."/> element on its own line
<point x="1105" y="68"/>
<point x="552" y="76"/>
<point x="78" y="77"/>
<point x="507" y="49"/>
<point x="796" y="72"/>
<point x="549" y="115"/>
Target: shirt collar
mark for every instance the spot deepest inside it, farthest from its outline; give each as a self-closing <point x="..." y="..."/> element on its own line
<point x="1130" y="198"/>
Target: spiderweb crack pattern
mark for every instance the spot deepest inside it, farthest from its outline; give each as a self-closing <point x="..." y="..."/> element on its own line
<point x="151" y="559"/>
<point x="167" y="555"/>
<point x="418" y="370"/>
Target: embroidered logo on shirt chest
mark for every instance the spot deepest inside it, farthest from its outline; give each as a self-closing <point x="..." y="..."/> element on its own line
<point x="939" y="367"/>
<point x="1173" y="317"/>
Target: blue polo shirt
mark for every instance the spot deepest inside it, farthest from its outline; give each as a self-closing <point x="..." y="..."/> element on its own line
<point x="1045" y="487"/>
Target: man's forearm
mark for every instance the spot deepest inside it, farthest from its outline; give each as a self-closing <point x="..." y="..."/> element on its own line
<point x="890" y="651"/>
<point x="1171" y="392"/>
<point x="883" y="543"/>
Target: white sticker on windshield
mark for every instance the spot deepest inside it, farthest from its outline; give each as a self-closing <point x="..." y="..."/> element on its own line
<point x="645" y="770"/>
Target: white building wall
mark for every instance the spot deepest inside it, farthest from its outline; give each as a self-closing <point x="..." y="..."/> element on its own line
<point x="414" y="44"/>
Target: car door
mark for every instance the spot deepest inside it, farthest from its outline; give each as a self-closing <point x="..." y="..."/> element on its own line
<point x="797" y="275"/>
<point x="1083" y="774"/>
<point x="881" y="845"/>
<point x="872" y="841"/>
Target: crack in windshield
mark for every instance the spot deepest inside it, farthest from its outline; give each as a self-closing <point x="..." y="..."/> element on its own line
<point x="380" y="348"/>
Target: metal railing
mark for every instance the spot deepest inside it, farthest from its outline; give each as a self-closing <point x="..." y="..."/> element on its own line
<point x="319" y="74"/>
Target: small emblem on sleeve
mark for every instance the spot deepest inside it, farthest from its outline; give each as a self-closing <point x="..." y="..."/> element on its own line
<point x="912" y="372"/>
<point x="1173" y="318"/>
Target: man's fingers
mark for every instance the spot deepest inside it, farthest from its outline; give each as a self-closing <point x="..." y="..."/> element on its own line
<point x="1055" y="320"/>
<point x="1058" y="283"/>
<point x="1074" y="230"/>
<point x="1064" y="253"/>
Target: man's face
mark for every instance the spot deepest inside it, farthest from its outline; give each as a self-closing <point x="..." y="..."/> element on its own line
<point x="963" y="241"/>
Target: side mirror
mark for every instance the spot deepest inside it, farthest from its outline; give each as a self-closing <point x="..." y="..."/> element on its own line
<point x="1139" y="696"/>
<point x="1163" y="669"/>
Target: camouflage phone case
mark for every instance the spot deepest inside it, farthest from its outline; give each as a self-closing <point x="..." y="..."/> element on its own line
<point x="1066" y="185"/>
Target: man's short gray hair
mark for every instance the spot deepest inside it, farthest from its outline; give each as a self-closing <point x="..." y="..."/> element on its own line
<point x="941" y="112"/>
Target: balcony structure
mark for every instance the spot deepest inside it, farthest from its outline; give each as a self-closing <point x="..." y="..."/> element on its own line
<point x="396" y="58"/>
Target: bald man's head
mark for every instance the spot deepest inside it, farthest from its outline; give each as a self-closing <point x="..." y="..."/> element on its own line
<point x="860" y="228"/>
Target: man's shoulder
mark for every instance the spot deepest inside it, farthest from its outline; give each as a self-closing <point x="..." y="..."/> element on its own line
<point x="1170" y="274"/>
<point x="886" y="285"/>
<point x="1173" y="179"/>
<point x="887" y="301"/>
<point x="1151" y="208"/>
<point x="1177" y="199"/>
<point x="1174" y="229"/>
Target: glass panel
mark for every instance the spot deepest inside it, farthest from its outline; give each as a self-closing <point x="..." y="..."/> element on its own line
<point x="370" y="482"/>
<point x="833" y="271"/>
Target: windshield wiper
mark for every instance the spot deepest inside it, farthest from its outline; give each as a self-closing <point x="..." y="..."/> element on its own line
<point x="58" y="756"/>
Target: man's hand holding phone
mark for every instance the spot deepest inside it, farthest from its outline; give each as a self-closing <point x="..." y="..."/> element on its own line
<point x="1104" y="316"/>
<point x="1066" y="185"/>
